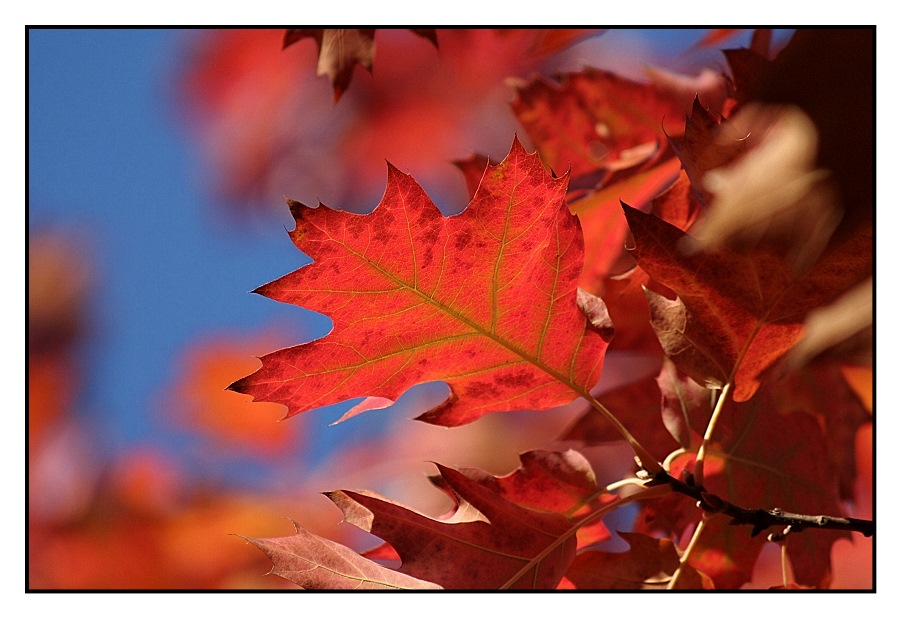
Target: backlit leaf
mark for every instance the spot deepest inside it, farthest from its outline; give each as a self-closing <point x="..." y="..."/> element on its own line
<point x="485" y="301"/>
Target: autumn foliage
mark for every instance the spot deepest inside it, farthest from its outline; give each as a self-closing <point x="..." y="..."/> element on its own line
<point x="493" y="301"/>
<point x="698" y="224"/>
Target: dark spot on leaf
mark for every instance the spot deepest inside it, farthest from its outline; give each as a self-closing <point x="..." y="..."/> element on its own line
<point x="518" y="380"/>
<point x="462" y="240"/>
<point x="479" y="389"/>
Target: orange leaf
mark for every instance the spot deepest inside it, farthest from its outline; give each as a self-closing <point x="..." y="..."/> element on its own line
<point x="200" y="401"/>
<point x="485" y="301"/>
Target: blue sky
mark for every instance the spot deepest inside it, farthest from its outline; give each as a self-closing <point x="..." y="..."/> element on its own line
<point x="108" y="161"/>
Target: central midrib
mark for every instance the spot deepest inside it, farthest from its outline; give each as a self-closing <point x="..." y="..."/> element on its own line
<point x="501" y="342"/>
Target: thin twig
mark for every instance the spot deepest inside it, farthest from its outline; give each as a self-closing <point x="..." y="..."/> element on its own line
<point x="784" y="564"/>
<point x="707" y="437"/>
<point x="687" y="554"/>
<point x="758" y="518"/>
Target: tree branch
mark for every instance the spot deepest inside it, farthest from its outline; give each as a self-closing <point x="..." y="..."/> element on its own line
<point x="758" y="518"/>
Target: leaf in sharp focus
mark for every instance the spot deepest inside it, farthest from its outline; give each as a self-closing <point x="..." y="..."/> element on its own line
<point x="737" y="312"/>
<point x="340" y="50"/>
<point x="514" y="545"/>
<point x="649" y="563"/>
<point x="687" y="341"/>
<point x="313" y="562"/>
<point x="485" y="301"/>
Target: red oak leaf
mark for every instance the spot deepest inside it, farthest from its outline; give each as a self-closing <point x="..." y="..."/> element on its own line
<point x="595" y="120"/>
<point x="736" y="312"/>
<point x="553" y="482"/>
<point x="485" y="301"/>
<point x="500" y="544"/>
<point x="836" y="408"/>
<point x="516" y="531"/>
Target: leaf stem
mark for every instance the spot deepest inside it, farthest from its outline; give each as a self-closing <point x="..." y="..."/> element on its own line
<point x="760" y="519"/>
<point x="644" y="458"/>
<point x="784" y="564"/>
<point x="707" y="437"/>
<point x="623" y="483"/>
<point x="687" y="553"/>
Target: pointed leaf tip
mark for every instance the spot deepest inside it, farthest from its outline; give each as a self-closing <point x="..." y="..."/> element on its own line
<point x="296" y="208"/>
